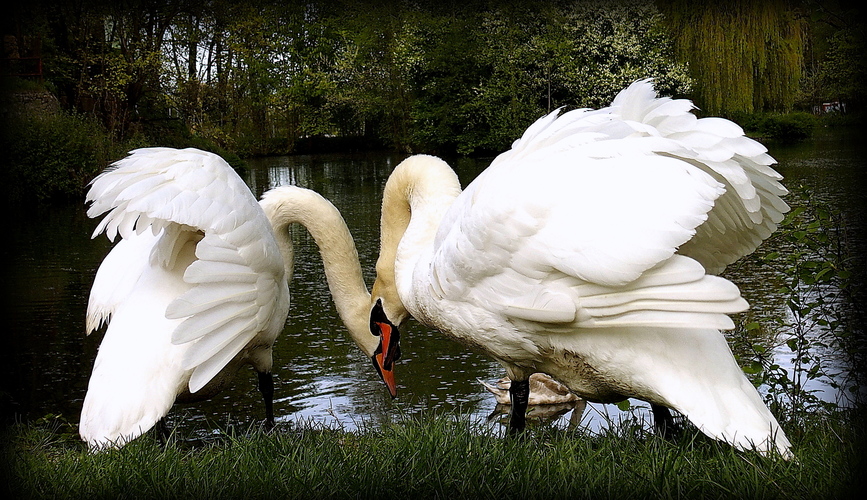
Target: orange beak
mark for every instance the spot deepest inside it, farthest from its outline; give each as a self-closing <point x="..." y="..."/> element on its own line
<point x="386" y="354"/>
<point x="388" y="350"/>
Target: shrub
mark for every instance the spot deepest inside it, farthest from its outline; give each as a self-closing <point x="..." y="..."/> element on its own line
<point x="789" y="127"/>
<point x="54" y="156"/>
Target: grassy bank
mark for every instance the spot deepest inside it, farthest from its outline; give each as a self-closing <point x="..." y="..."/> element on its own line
<point x="434" y="457"/>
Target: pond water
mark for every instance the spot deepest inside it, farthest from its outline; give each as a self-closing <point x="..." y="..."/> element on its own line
<point x="50" y="262"/>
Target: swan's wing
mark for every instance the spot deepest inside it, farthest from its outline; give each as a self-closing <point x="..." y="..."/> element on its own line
<point x="116" y="277"/>
<point x="596" y="203"/>
<point x="586" y="243"/>
<point x="238" y="286"/>
<point x="748" y="211"/>
<point x="751" y="207"/>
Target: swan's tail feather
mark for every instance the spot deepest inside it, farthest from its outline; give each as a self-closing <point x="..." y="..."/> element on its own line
<point x="704" y="383"/>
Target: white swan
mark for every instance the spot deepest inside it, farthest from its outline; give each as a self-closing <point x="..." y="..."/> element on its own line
<point x="197" y="287"/>
<point x="583" y="253"/>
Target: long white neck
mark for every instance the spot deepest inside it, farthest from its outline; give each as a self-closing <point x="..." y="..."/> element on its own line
<point x="416" y="197"/>
<point x="290" y="204"/>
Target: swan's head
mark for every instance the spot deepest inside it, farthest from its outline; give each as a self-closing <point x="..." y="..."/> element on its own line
<point x="388" y="350"/>
<point x="387" y="315"/>
<point x="419" y="190"/>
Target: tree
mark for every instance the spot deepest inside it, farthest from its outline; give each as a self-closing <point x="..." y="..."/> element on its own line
<point x="443" y="76"/>
<point x="492" y="70"/>
<point x="836" y="70"/>
<point x="378" y="54"/>
<point x="744" y="55"/>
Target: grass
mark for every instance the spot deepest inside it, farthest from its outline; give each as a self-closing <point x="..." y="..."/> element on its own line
<point x="434" y="456"/>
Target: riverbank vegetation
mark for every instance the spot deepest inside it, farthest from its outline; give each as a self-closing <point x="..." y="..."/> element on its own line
<point x="463" y="77"/>
<point x="436" y="456"/>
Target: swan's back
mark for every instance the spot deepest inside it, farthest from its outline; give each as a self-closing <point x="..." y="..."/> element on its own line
<point x="196" y="284"/>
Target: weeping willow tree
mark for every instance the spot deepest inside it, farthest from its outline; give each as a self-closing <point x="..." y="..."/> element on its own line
<point x="744" y="55"/>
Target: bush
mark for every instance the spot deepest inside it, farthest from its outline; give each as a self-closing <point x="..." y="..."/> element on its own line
<point x="54" y="156"/>
<point x="789" y="127"/>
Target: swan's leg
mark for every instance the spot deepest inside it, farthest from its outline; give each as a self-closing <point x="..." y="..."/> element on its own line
<point x="519" y="393"/>
<point x="266" y="387"/>
<point x="663" y="422"/>
<point x="163" y="432"/>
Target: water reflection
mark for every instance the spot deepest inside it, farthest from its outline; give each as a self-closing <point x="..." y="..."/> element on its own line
<point x="320" y="374"/>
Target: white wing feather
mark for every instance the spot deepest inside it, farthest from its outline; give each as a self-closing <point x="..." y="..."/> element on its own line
<point x="116" y="277"/>
<point x="237" y="284"/>
<point x="592" y="206"/>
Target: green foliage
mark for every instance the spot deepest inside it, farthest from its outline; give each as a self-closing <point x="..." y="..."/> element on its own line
<point x="419" y="76"/>
<point x="815" y="264"/>
<point x="838" y="70"/>
<point x="54" y="156"/>
<point x="489" y="74"/>
<point x="376" y="57"/>
<point x="745" y="56"/>
<point x="102" y="58"/>
<point x="424" y="76"/>
<point x="789" y="127"/>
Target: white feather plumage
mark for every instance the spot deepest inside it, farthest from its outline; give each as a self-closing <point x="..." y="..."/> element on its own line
<point x="587" y="252"/>
<point x="195" y="288"/>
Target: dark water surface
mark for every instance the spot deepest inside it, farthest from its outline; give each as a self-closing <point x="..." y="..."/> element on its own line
<point x="50" y="261"/>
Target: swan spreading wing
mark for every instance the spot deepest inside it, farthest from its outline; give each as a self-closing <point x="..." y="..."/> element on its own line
<point x="639" y="122"/>
<point x="237" y="285"/>
<point x="580" y="222"/>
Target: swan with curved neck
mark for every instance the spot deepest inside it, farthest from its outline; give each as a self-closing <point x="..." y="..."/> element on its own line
<point x="288" y="205"/>
<point x="586" y="252"/>
<point x="198" y="286"/>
